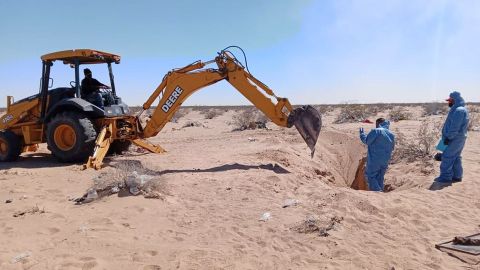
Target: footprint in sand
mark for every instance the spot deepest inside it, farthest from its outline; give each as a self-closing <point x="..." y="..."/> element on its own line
<point x="152" y="252"/>
<point x="53" y="230"/>
<point x="152" y="267"/>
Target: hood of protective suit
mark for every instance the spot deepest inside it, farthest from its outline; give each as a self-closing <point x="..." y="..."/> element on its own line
<point x="385" y="124"/>
<point x="458" y="100"/>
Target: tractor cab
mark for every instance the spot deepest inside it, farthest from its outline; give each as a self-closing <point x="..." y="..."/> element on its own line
<point x="59" y="99"/>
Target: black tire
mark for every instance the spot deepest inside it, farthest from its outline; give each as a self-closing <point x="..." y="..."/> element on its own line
<point x="10" y="146"/>
<point x="85" y="135"/>
<point x="118" y="147"/>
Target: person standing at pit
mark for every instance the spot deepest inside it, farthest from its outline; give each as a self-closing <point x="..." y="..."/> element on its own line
<point x="454" y="135"/>
<point x="380" y="142"/>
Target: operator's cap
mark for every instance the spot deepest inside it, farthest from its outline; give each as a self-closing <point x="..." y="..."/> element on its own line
<point x="449" y="99"/>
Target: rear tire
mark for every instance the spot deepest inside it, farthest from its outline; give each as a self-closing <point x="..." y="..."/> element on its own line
<point x="71" y="136"/>
<point x="10" y="146"/>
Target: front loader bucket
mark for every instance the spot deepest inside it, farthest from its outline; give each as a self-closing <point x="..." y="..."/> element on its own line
<point x="308" y="122"/>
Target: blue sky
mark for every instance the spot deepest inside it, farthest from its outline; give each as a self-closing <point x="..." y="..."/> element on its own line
<point x="330" y="51"/>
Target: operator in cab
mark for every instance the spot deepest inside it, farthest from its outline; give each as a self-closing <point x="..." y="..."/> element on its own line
<point x="91" y="89"/>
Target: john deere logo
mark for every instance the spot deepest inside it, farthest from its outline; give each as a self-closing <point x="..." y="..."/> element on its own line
<point x="172" y="99"/>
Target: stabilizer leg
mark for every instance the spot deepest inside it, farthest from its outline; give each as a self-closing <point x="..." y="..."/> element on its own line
<point x="149" y="146"/>
<point x="102" y="144"/>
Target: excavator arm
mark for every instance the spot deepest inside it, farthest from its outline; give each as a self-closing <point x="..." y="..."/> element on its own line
<point x="179" y="84"/>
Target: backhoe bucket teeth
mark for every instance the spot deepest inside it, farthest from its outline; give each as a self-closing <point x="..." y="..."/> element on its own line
<point x="308" y="122"/>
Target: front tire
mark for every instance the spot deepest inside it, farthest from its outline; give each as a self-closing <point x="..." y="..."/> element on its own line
<point x="10" y="146"/>
<point x="71" y="136"/>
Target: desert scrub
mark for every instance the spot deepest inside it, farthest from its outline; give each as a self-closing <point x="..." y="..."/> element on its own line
<point x="324" y="109"/>
<point x="179" y="114"/>
<point x="212" y="113"/>
<point x="373" y="109"/>
<point x="352" y="113"/>
<point x="473" y="108"/>
<point x="249" y="119"/>
<point x="474" y="121"/>
<point x="420" y="147"/>
<point x="435" y="109"/>
<point x="399" y="113"/>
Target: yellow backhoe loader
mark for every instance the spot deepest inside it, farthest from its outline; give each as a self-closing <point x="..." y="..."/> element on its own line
<point x="76" y="129"/>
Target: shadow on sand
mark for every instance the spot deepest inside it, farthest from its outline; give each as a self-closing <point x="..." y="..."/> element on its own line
<point x="34" y="161"/>
<point x="223" y="168"/>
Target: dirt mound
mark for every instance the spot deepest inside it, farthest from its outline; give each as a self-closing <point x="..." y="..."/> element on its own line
<point x="336" y="161"/>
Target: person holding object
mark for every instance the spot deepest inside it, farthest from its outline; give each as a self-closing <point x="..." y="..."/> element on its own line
<point x="454" y="135"/>
<point x="380" y="142"/>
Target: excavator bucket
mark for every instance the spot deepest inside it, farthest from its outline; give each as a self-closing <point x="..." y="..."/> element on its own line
<point x="308" y="122"/>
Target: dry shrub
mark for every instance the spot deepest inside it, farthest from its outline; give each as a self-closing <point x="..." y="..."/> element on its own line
<point x="179" y="114"/>
<point x="192" y="124"/>
<point x="212" y="113"/>
<point x="135" y="109"/>
<point x="374" y="109"/>
<point x="352" y="113"/>
<point x="128" y="177"/>
<point x="249" y="119"/>
<point x="399" y="113"/>
<point x="324" y="109"/>
<point x="471" y="108"/>
<point x="313" y="225"/>
<point x="435" y="109"/>
<point x="419" y="148"/>
<point x="474" y="122"/>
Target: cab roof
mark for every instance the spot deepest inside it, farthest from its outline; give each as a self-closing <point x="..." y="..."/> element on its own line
<point x="85" y="56"/>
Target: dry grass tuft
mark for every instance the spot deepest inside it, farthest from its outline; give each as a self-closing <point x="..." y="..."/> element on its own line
<point x="419" y="148"/>
<point x="192" y="124"/>
<point x="352" y="113"/>
<point x="312" y="225"/>
<point x="179" y="114"/>
<point x="399" y="113"/>
<point x="474" y="122"/>
<point x="249" y="119"/>
<point x="435" y="109"/>
<point x="324" y="109"/>
<point x="212" y="113"/>
<point x="129" y="177"/>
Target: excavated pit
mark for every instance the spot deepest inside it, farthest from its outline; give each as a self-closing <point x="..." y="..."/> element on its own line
<point x="346" y="159"/>
<point x="359" y="182"/>
<point x="343" y="159"/>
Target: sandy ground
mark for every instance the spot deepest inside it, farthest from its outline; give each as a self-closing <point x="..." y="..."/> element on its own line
<point x="216" y="184"/>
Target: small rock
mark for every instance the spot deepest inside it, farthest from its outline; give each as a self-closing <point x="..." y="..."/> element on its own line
<point x="91" y="195"/>
<point x="134" y="190"/>
<point x="22" y="256"/>
<point x="250" y="139"/>
<point x="290" y="202"/>
<point x="8" y="201"/>
<point x="115" y="189"/>
<point x="266" y="216"/>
